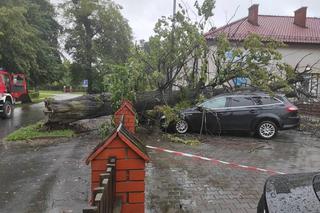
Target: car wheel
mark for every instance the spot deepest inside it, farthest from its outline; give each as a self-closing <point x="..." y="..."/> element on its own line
<point x="267" y="129"/>
<point x="7" y="110"/>
<point x="262" y="208"/>
<point x="182" y="126"/>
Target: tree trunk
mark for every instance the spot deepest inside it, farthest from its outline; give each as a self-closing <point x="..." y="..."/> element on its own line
<point x="62" y="113"/>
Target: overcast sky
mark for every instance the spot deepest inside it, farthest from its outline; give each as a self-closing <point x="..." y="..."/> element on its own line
<point x="143" y="14"/>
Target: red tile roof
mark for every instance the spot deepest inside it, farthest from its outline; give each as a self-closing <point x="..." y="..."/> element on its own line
<point x="280" y="28"/>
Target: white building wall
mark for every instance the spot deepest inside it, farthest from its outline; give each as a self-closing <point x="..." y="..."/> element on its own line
<point x="294" y="53"/>
<point x="291" y="54"/>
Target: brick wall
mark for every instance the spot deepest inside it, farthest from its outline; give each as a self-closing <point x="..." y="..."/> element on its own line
<point x="130" y="173"/>
<point x="130" y="165"/>
<point x="309" y="108"/>
<point x="128" y="112"/>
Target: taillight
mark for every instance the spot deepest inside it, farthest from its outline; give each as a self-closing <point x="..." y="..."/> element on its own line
<point x="292" y="108"/>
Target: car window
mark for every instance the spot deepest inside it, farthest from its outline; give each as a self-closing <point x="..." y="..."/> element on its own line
<point x="265" y="100"/>
<point x="215" y="103"/>
<point x="18" y="80"/>
<point x="6" y="80"/>
<point x="241" y="101"/>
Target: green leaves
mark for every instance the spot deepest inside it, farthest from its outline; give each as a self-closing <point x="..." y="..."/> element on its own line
<point x="255" y="59"/>
<point x="29" y="39"/>
<point x="176" y="53"/>
<point x="206" y="9"/>
<point x="98" y="36"/>
<point x="120" y="82"/>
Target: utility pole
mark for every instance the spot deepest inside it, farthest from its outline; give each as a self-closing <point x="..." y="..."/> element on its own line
<point x="170" y="74"/>
<point x="174" y="7"/>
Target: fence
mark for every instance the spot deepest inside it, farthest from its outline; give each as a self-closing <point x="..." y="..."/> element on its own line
<point x="105" y="195"/>
<point x="311" y="84"/>
<point x="309" y="108"/>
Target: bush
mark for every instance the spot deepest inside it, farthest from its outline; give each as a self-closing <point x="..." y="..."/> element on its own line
<point x="172" y="113"/>
<point x="106" y="129"/>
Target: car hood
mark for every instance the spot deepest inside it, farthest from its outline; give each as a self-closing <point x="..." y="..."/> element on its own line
<point x="293" y="193"/>
<point x="190" y="110"/>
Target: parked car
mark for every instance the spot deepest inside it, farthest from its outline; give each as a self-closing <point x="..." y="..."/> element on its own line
<point x="291" y="193"/>
<point x="251" y="112"/>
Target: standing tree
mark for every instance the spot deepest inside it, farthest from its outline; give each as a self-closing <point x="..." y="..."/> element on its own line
<point x="177" y="51"/>
<point x="158" y="65"/>
<point x="29" y="39"/>
<point x="97" y="36"/>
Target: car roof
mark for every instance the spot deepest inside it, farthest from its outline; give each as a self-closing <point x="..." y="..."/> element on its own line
<point x="243" y="94"/>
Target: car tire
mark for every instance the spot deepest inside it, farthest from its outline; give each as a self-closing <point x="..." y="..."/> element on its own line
<point x="181" y="126"/>
<point x="267" y="129"/>
<point x="7" y="110"/>
<point x="262" y="208"/>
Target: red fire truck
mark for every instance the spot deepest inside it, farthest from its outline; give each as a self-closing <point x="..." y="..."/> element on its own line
<point x="13" y="88"/>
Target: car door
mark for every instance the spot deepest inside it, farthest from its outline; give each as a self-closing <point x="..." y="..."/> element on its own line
<point x="241" y="112"/>
<point x="194" y="118"/>
<point x="212" y="109"/>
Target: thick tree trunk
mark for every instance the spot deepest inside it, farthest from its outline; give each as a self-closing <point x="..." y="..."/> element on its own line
<point x="62" y="113"/>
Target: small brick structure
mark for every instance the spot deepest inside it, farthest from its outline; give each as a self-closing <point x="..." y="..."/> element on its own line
<point x="126" y="109"/>
<point x="312" y="109"/>
<point x="131" y="157"/>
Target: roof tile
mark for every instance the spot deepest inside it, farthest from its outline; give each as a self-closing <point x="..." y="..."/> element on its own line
<point x="280" y="28"/>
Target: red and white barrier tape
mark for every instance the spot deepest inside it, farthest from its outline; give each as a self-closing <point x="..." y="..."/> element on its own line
<point x="215" y="161"/>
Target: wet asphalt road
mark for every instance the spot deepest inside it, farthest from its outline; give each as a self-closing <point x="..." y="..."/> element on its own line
<point x="42" y="177"/>
<point x="25" y="115"/>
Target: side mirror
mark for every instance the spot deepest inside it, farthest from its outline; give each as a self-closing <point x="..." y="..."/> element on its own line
<point x="200" y="108"/>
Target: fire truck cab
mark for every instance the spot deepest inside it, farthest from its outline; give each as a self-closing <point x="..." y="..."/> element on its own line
<point x="13" y="87"/>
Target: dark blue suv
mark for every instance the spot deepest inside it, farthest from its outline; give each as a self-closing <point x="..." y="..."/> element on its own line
<point x="251" y="112"/>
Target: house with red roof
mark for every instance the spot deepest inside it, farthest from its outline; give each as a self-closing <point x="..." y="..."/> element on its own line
<point x="300" y="33"/>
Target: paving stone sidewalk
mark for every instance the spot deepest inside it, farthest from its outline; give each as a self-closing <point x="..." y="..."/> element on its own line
<point x="182" y="184"/>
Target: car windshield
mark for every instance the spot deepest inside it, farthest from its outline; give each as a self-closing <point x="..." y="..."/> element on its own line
<point x="214" y="103"/>
<point x="18" y="80"/>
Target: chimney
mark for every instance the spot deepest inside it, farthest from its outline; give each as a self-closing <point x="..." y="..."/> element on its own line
<point x="300" y="17"/>
<point x="253" y="14"/>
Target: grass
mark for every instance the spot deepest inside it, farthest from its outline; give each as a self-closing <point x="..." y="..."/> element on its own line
<point x="34" y="132"/>
<point x="45" y="94"/>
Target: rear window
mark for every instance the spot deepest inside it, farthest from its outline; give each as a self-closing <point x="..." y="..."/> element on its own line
<point x="241" y="101"/>
<point x="265" y="100"/>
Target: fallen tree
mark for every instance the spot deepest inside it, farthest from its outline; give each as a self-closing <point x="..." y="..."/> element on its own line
<point x="60" y="114"/>
<point x="63" y="112"/>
